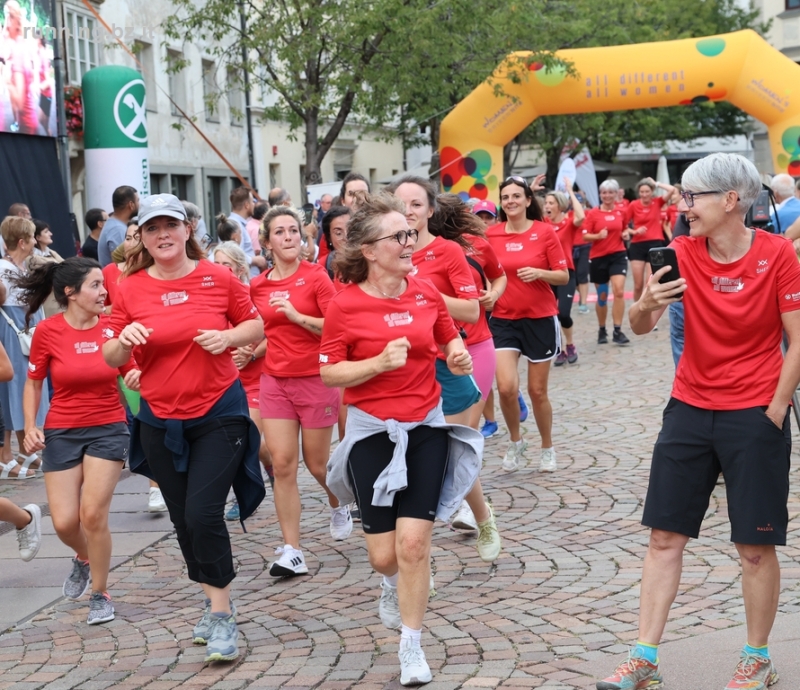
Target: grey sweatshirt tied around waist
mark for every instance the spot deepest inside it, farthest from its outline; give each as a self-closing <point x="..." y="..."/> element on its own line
<point x="464" y="457"/>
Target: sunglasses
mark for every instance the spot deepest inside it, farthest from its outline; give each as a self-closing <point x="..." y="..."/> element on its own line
<point x="517" y="179"/>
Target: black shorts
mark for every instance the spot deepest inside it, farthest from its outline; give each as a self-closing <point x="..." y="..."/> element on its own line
<point x="426" y="462"/>
<point x="601" y="268"/>
<point x="538" y="340"/>
<point x="639" y="251"/>
<point x="694" y="446"/>
<point x="580" y="257"/>
<point x="65" y="448"/>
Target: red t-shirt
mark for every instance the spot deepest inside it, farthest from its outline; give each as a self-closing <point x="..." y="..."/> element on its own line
<point x="567" y="232"/>
<point x="732" y="357"/>
<point x="181" y="380"/>
<point x="621" y="205"/>
<point x="596" y="220"/>
<point x="672" y="214"/>
<point x="537" y="247"/>
<point x="483" y="254"/>
<point x="646" y="216"/>
<point x="250" y="376"/>
<point x="112" y="276"/>
<point x="85" y="391"/>
<point x="360" y="326"/>
<point x="444" y="264"/>
<point x="292" y="351"/>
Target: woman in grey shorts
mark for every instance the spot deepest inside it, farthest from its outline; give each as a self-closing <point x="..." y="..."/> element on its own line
<point x="85" y="438"/>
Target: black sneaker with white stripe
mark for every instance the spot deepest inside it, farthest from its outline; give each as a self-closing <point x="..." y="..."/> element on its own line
<point x="290" y="563"/>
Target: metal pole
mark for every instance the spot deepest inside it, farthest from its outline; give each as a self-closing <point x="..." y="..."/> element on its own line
<point x="61" y="120"/>
<point x="248" y="117"/>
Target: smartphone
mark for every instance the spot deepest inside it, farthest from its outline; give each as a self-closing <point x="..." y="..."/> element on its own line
<point x="665" y="256"/>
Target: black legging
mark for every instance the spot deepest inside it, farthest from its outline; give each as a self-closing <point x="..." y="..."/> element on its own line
<point x="196" y="499"/>
<point x="564" y="295"/>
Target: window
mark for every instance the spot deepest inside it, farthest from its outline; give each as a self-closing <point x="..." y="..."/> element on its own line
<point x="235" y="97"/>
<point x="180" y="186"/>
<point x="210" y="91"/>
<point x="146" y="56"/>
<point x="274" y="175"/>
<point x="177" y="81"/>
<point x="158" y="184"/>
<point x="793" y="4"/>
<point x="215" y="189"/>
<point x="80" y="32"/>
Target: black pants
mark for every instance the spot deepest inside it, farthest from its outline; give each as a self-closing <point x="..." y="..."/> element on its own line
<point x="426" y="463"/>
<point x="564" y="296"/>
<point x="196" y="499"/>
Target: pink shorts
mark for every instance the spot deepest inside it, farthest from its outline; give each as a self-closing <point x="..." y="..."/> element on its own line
<point x="484" y="363"/>
<point x="305" y="399"/>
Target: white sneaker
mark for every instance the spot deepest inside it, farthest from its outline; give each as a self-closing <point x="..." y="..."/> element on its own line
<point x="488" y="543"/>
<point x="514" y="455"/>
<point x="341" y="523"/>
<point x="290" y="563"/>
<point x="414" y="669"/>
<point x="155" y="502"/>
<point x="548" y="461"/>
<point x="389" y="607"/>
<point x="29" y="537"/>
<point x="464" y="518"/>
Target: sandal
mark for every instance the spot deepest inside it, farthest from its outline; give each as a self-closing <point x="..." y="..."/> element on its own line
<point x="28" y="460"/>
<point x="21" y="473"/>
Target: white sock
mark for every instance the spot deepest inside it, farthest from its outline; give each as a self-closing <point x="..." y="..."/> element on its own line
<point x="391" y="581"/>
<point x="410" y="636"/>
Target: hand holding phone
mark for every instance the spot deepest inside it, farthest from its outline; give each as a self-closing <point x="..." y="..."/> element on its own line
<point x="665" y="256"/>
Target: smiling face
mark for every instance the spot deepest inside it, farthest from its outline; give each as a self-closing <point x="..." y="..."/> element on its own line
<point x="608" y="197"/>
<point x="418" y="208"/>
<point x="388" y="256"/>
<point x="513" y="201"/>
<point x="709" y="212"/>
<point x="338" y="230"/>
<point x="284" y="239"/>
<point x="165" y="239"/>
<point x="91" y="298"/>
<point x="645" y="194"/>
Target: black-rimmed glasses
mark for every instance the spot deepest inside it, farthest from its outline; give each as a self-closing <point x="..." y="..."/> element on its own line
<point x="400" y="237"/>
<point x="688" y="197"/>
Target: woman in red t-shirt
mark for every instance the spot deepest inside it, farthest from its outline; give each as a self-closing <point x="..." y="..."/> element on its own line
<point x="247" y="359"/>
<point x="85" y="439"/>
<point x="604" y="227"/>
<point x="380" y="342"/>
<point x="647" y="231"/>
<point x="567" y="225"/>
<point x="524" y="319"/>
<point x="180" y="315"/>
<point x="292" y="298"/>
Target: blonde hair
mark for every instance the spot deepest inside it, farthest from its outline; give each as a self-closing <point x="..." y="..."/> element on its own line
<point x="14" y="229"/>
<point x="235" y="253"/>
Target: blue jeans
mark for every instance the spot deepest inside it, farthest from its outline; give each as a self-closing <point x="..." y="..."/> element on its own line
<point x="676" y="330"/>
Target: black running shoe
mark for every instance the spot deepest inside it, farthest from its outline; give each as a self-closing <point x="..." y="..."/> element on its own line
<point x="602" y="337"/>
<point x="620" y="338"/>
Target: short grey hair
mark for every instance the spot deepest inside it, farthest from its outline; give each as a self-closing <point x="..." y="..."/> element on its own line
<point x="609" y="185"/>
<point x="192" y="211"/>
<point x="783" y="185"/>
<point x="726" y="172"/>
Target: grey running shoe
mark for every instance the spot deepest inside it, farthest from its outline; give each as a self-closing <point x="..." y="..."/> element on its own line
<point x="389" y="608"/>
<point x="223" y="642"/>
<point x="202" y="631"/>
<point x="29" y="537"/>
<point x="414" y="669"/>
<point x="77" y="584"/>
<point x="101" y="610"/>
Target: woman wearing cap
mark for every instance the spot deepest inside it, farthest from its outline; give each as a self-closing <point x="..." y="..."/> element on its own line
<point x="647" y="231"/>
<point x="524" y="318"/>
<point x="85" y="439"/>
<point x="566" y="223"/>
<point x="399" y="458"/>
<point x="180" y="315"/>
<point x="292" y="298"/>
<point x="605" y="228"/>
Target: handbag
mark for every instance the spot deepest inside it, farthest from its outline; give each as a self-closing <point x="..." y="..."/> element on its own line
<point x="25" y="337"/>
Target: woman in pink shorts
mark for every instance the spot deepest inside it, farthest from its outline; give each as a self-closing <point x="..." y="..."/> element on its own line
<point x="248" y="359"/>
<point x="292" y="298"/>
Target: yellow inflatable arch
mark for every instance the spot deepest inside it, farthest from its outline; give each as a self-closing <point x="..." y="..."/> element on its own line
<point x="739" y="67"/>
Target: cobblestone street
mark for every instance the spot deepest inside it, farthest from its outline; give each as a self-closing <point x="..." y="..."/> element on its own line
<point x="558" y="606"/>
